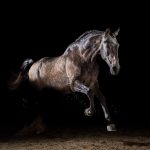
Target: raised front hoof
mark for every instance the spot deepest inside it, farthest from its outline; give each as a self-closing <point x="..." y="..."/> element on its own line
<point x="88" y="112"/>
<point x="111" y="127"/>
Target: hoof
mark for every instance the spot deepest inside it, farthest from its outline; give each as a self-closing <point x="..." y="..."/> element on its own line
<point x="111" y="127"/>
<point x="88" y="112"/>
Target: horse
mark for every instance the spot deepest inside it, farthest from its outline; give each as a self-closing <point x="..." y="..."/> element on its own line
<point x="76" y="70"/>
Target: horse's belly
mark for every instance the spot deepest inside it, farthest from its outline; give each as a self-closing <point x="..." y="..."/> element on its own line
<point x="58" y="81"/>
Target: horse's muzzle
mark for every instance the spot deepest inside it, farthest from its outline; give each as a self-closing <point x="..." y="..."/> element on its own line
<point x="115" y="70"/>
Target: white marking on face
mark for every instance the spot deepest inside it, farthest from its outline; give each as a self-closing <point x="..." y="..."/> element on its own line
<point x="114" y="61"/>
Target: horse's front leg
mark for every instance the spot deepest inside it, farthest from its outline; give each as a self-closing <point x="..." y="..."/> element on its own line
<point x="80" y="87"/>
<point x="100" y="96"/>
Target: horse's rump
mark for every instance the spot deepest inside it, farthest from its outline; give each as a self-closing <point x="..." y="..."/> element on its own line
<point x="49" y="72"/>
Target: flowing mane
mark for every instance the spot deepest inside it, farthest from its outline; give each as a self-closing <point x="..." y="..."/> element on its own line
<point x="86" y="34"/>
<point x="84" y="41"/>
<point x="87" y="45"/>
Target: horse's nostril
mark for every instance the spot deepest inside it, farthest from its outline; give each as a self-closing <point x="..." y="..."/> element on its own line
<point x="115" y="69"/>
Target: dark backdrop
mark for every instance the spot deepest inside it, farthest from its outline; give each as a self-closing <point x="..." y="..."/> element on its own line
<point x="36" y="32"/>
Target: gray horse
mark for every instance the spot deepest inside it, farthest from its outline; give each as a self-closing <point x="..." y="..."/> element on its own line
<point x="76" y="70"/>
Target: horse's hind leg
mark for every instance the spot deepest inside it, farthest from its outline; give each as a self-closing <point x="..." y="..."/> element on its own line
<point x="80" y="87"/>
<point x="100" y="96"/>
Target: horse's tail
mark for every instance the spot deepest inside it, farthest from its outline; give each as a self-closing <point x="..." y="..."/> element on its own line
<point x="22" y="75"/>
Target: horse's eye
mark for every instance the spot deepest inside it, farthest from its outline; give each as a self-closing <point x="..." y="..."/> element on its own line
<point x="106" y="41"/>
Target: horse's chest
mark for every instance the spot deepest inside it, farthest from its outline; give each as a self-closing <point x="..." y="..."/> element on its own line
<point x="89" y="75"/>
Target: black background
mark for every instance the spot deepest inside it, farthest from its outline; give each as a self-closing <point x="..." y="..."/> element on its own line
<point x="37" y="31"/>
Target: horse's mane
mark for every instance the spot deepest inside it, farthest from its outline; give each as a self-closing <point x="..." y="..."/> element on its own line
<point x="85" y="34"/>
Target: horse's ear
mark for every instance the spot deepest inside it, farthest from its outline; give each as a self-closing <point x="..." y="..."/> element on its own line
<point x="116" y="32"/>
<point x="107" y="31"/>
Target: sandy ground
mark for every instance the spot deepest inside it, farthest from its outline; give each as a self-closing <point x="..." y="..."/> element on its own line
<point x="79" y="138"/>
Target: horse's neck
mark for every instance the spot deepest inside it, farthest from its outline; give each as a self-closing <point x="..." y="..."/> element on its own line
<point x="91" y="48"/>
<point x="87" y="49"/>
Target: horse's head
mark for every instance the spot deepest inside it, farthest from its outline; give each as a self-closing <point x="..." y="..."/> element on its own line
<point x="109" y="50"/>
